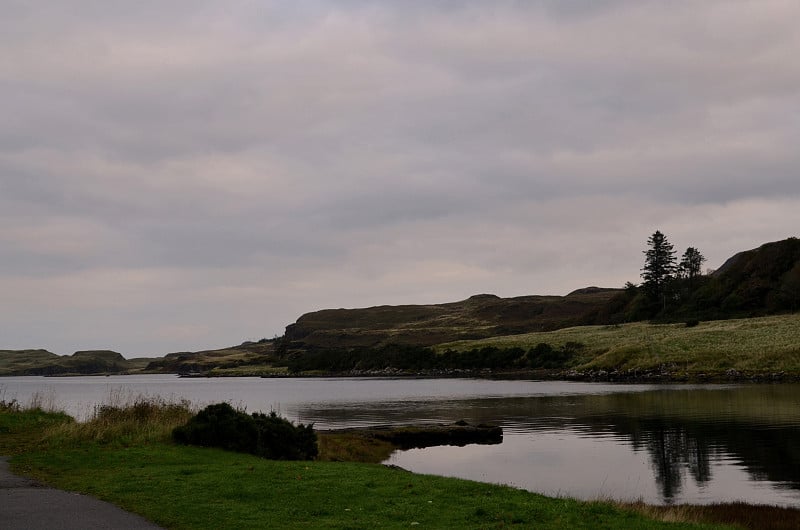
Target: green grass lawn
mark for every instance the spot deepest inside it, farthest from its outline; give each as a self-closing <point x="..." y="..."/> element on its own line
<point x="762" y="345"/>
<point x="197" y="488"/>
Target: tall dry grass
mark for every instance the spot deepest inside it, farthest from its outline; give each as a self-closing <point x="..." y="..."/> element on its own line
<point x="125" y="421"/>
<point x="755" y="517"/>
<point x="42" y="401"/>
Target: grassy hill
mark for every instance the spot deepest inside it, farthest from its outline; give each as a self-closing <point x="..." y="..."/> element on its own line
<point x="248" y="358"/>
<point x="43" y="362"/>
<point x="479" y="316"/>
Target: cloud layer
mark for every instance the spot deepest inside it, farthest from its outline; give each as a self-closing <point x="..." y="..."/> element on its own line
<point x="184" y="175"/>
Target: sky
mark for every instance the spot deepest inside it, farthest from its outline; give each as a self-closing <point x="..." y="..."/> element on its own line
<point x="183" y="175"/>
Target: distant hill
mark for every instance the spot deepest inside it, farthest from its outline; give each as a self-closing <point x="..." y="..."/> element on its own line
<point x="249" y="358"/>
<point x="479" y="316"/>
<point x="43" y="362"/>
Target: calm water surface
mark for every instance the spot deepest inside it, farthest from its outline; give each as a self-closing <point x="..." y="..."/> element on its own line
<point x="661" y="444"/>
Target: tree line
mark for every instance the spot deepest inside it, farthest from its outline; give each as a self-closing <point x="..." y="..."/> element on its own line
<point x="663" y="275"/>
<point x="411" y="357"/>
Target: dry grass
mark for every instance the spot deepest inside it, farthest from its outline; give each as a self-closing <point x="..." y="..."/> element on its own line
<point x="346" y="447"/>
<point x="249" y="371"/>
<point x="755" y="517"/>
<point x="767" y="344"/>
<point x="143" y="419"/>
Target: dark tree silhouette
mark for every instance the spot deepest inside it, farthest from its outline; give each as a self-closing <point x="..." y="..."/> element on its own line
<point x="659" y="267"/>
<point x="691" y="264"/>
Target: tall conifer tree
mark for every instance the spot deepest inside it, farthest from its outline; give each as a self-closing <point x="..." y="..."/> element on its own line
<point x="659" y="267"/>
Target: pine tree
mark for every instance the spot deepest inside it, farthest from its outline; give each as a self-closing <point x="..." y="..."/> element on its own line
<point x="659" y="267"/>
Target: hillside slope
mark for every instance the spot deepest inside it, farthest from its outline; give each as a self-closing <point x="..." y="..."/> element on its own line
<point x="477" y="317"/>
<point x="759" y="281"/>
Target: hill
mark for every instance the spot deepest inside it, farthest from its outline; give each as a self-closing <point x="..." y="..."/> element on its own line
<point x="43" y="362"/>
<point x="758" y="282"/>
<point x="479" y="316"/>
<point x="510" y="334"/>
<point x="248" y="358"/>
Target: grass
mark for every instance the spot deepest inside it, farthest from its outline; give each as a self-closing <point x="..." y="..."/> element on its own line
<point x="348" y="447"/>
<point x="191" y="488"/>
<point x="753" y="345"/>
<point x="740" y="514"/>
<point x="142" y="421"/>
<point x="249" y="371"/>
<point x="22" y="430"/>
<point x="123" y="455"/>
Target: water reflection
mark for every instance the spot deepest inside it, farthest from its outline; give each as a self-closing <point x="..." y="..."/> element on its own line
<point x="702" y="445"/>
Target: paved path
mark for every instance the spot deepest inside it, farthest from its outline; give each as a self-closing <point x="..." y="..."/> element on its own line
<point x="26" y="505"/>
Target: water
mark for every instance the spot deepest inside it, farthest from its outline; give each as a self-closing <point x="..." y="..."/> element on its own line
<point x="660" y="444"/>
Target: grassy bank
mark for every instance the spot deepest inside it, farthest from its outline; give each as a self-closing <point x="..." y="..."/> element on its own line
<point x="753" y="345"/>
<point x="123" y="455"/>
<point x="182" y="487"/>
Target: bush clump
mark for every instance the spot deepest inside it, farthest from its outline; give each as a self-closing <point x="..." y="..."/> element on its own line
<point x="265" y="435"/>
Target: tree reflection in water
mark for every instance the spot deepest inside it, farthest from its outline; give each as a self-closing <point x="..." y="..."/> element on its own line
<point x="671" y="448"/>
<point x="767" y="452"/>
<point x="687" y="432"/>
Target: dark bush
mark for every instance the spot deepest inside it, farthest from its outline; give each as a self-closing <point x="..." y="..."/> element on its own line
<point x="279" y="439"/>
<point x="265" y="435"/>
<point x="545" y="356"/>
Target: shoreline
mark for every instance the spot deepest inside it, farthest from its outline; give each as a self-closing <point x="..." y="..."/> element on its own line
<point x="664" y="376"/>
<point x="599" y="376"/>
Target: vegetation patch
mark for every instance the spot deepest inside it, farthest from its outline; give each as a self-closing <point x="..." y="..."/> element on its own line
<point x="764" y="345"/>
<point x="265" y="435"/>
<point x="459" y="433"/>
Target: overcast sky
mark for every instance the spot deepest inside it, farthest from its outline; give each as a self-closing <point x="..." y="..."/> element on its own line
<point x="180" y="175"/>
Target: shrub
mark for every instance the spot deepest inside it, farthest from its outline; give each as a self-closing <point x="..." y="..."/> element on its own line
<point x="545" y="356"/>
<point x="265" y="435"/>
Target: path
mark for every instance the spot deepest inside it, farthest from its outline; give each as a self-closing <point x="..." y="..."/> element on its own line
<point x="26" y="505"/>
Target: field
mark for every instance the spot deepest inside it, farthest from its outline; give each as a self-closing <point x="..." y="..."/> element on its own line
<point x="753" y="345"/>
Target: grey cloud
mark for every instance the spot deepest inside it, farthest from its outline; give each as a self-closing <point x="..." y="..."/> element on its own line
<point x="293" y="156"/>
